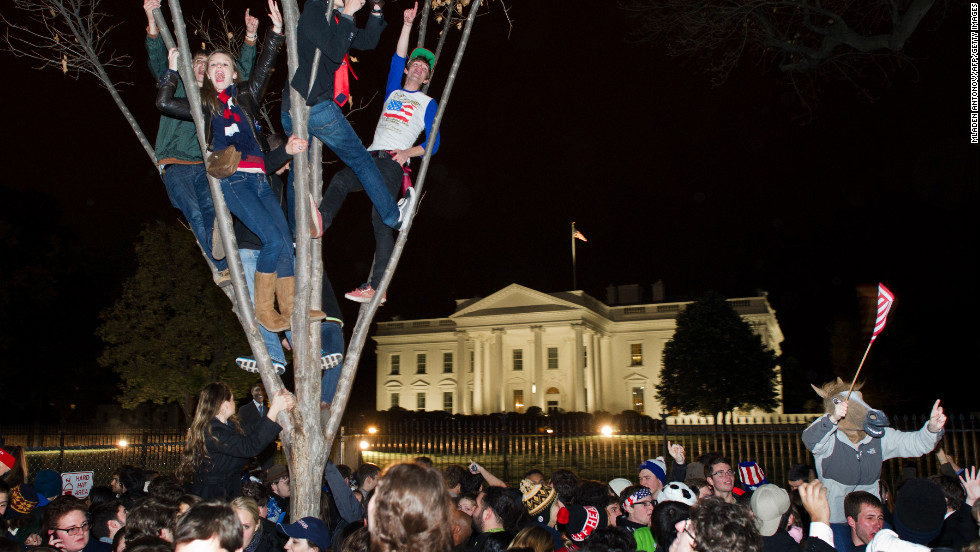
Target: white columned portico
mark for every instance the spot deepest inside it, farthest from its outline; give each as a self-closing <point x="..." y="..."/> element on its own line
<point x="578" y="371"/>
<point x="497" y="370"/>
<point x="462" y="397"/>
<point x="478" y="370"/>
<point x="538" y="369"/>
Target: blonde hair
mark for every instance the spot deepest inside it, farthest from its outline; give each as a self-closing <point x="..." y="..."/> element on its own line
<point x="534" y="536"/>
<point x="248" y="504"/>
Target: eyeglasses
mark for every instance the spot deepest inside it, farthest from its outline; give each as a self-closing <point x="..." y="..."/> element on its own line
<point x="721" y="473"/>
<point x="688" y="532"/>
<point x="83" y="528"/>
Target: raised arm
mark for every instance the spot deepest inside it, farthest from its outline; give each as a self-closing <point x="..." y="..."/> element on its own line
<point x="270" y="51"/>
<point x="407" y="19"/>
<point x="155" y="49"/>
<point x="492" y="479"/>
<point x="178" y="108"/>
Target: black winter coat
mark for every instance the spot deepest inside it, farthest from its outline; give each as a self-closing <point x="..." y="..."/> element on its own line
<point x="249" y="96"/>
<point x="220" y="477"/>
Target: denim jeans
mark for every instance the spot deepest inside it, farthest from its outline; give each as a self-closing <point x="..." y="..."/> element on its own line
<point x="272" y="343"/>
<point x="187" y="188"/>
<point x="250" y="198"/>
<point x="327" y="123"/>
<point x="345" y="182"/>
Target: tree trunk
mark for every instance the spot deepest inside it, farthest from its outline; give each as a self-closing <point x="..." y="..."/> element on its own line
<point x="242" y="304"/>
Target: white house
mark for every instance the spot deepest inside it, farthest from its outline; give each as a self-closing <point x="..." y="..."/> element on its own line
<point x="517" y="348"/>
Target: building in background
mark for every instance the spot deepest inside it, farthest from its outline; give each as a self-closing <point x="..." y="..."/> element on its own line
<point x="520" y="347"/>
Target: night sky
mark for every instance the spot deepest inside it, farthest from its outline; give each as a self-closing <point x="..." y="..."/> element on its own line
<point x="569" y="119"/>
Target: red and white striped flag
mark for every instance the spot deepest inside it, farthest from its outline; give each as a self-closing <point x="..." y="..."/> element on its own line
<point x="885" y="300"/>
<point x="579" y="236"/>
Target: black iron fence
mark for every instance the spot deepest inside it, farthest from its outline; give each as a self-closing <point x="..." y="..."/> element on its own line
<point x="507" y="445"/>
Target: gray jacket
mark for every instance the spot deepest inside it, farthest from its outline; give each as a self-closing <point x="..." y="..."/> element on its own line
<point x="844" y="467"/>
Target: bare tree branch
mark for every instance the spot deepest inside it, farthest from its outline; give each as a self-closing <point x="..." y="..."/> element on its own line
<point x="70" y="35"/>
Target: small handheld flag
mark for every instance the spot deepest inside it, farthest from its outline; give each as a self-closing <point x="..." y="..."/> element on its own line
<point x="579" y="236"/>
<point x="885" y="300"/>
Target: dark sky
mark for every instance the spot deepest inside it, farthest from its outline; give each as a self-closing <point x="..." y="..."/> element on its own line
<point x="569" y="119"/>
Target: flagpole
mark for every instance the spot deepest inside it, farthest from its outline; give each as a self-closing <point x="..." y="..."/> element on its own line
<point x="859" y="369"/>
<point x="574" y="273"/>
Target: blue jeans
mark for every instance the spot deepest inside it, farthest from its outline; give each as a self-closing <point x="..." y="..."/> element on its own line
<point x="327" y="123"/>
<point x="187" y="188"/>
<point x="272" y="343"/>
<point x="345" y="182"/>
<point x="251" y="199"/>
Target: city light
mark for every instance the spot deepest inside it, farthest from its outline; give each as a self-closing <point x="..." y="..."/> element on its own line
<point x="365" y="445"/>
<point x="372" y="430"/>
<point x="606" y="431"/>
<point x="122" y="443"/>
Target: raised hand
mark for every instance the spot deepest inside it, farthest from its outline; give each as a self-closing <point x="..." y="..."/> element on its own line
<point x="352" y="6"/>
<point x="936" y="419"/>
<point x="148" y="7"/>
<point x="251" y="25"/>
<point x="814" y="497"/>
<point x="676" y="452"/>
<point x="276" y="16"/>
<point x="173" y="58"/>
<point x="295" y="144"/>
<point x="972" y="485"/>
<point x="409" y="15"/>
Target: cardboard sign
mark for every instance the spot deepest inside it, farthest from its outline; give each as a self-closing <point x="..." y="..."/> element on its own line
<point x="77" y="484"/>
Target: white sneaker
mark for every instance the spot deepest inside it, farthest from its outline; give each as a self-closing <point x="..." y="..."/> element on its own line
<point x="405" y="206"/>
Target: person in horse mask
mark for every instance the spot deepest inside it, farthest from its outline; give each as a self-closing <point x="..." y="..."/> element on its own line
<point x="850" y="442"/>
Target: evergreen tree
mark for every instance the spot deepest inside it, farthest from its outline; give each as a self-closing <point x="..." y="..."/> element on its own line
<point x="171" y="331"/>
<point x="715" y="362"/>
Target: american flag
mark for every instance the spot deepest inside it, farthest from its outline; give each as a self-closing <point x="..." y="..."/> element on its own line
<point x="579" y="236"/>
<point x="399" y="110"/>
<point x="885" y="300"/>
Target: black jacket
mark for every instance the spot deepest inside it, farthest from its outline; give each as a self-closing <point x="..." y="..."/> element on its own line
<point x="249" y="94"/>
<point x="333" y="39"/>
<point x="780" y="541"/>
<point x="220" y="477"/>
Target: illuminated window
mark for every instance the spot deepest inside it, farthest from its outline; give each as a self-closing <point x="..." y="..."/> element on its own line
<point x="518" y="400"/>
<point x="420" y="363"/>
<point x="420" y="401"/>
<point x="638" y="399"/>
<point x="518" y="360"/>
<point x="636" y="354"/>
<point x="394" y="400"/>
<point x="447" y="401"/>
<point x="396" y="364"/>
<point x="552" y="358"/>
<point x="447" y="363"/>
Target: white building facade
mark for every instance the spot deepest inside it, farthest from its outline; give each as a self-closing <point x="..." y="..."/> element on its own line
<point x="519" y="348"/>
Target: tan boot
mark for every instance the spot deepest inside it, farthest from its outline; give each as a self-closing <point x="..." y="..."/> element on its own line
<point x="285" y="288"/>
<point x="265" y="311"/>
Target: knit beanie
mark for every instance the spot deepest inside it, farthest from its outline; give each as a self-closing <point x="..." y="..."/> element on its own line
<point x="657" y="467"/>
<point x="47" y="483"/>
<point x="7" y="459"/>
<point x="538" y="499"/>
<point x="581" y="521"/>
<point x="23" y="499"/>
<point x="920" y="510"/>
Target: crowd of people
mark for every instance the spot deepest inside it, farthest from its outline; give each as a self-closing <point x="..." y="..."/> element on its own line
<point x="248" y="161"/>
<point x="219" y="501"/>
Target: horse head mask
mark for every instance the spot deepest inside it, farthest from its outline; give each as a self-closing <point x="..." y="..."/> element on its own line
<point x="861" y="419"/>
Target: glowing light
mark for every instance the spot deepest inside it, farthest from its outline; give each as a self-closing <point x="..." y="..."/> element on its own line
<point x="365" y="445"/>
<point x="122" y="443"/>
<point x="372" y="430"/>
<point x="549" y="430"/>
<point x="606" y="431"/>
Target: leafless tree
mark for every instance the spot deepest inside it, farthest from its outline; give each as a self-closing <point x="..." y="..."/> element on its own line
<point x="70" y="35"/>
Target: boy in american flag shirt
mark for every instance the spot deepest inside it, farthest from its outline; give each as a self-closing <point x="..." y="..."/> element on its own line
<point x="407" y="113"/>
